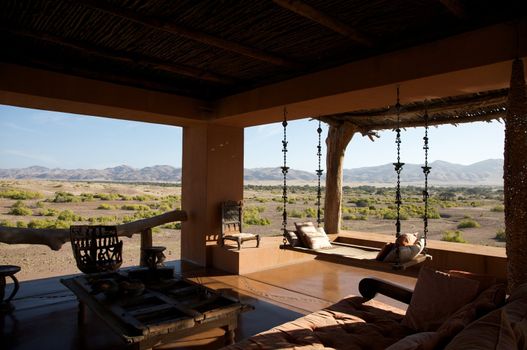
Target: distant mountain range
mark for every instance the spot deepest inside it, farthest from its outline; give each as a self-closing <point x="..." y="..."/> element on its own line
<point x="487" y="172"/>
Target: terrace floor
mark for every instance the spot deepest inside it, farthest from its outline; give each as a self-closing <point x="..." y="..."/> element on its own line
<point x="46" y="312"/>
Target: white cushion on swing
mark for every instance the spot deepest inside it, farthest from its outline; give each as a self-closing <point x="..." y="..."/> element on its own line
<point x="406" y="253"/>
<point x="314" y="238"/>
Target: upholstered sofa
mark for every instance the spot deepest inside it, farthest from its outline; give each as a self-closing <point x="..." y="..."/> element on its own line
<point x="469" y="313"/>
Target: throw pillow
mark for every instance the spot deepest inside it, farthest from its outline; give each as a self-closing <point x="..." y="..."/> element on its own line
<point x="492" y="331"/>
<point x="406" y="239"/>
<point x="293" y="239"/>
<point x="321" y="241"/>
<point x="436" y="296"/>
<point x="384" y="251"/>
<point x="417" y="341"/>
<point x="406" y="253"/>
<point x="302" y="228"/>
<point x="489" y="300"/>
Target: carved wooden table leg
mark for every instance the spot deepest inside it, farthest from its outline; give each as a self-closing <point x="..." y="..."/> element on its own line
<point x="8" y="271"/>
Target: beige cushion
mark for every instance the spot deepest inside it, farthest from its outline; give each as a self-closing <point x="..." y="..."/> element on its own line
<point x="492" y="331"/>
<point x="240" y="235"/>
<point x="406" y="253"/>
<point x="417" y="341"/>
<point x="301" y="227"/>
<point x="293" y="239"/>
<point x="436" y="296"/>
<point x="313" y="237"/>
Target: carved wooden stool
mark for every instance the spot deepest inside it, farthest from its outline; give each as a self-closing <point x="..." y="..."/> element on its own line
<point x="7" y="271"/>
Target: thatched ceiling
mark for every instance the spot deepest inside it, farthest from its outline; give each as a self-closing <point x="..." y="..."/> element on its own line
<point x="210" y="49"/>
<point x="482" y="106"/>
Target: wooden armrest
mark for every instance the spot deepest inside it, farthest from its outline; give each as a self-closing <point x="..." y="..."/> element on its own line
<point x="369" y="287"/>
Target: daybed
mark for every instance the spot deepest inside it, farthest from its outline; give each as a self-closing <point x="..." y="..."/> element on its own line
<point x="446" y="311"/>
<point x="313" y="240"/>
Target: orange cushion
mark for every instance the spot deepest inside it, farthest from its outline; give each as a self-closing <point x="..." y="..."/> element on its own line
<point x="406" y="239"/>
<point x="492" y="331"/>
<point x="436" y="296"/>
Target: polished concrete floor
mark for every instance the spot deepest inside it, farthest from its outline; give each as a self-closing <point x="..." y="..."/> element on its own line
<point x="46" y="312"/>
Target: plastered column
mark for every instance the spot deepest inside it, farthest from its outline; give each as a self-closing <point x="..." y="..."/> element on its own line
<point x="212" y="173"/>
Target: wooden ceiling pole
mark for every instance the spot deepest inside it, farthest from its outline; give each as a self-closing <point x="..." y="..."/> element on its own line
<point x="315" y="15"/>
<point x="455" y="7"/>
<point x="128" y="58"/>
<point x="339" y="136"/>
<point x="191" y="34"/>
<point x="514" y="175"/>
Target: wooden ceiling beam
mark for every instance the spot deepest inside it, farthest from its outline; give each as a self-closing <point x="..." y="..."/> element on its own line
<point x="455" y="7"/>
<point x="309" y="12"/>
<point x="127" y="58"/>
<point x="106" y="76"/>
<point x="191" y="34"/>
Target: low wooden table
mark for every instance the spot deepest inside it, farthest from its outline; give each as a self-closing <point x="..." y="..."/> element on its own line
<point x="162" y="313"/>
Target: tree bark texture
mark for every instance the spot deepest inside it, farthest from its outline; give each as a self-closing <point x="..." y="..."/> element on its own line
<point x="515" y="178"/>
<point x="55" y="238"/>
<point x="339" y="135"/>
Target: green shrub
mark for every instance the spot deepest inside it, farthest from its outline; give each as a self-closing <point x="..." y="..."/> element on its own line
<point x="500" y="235"/>
<point x="251" y="216"/>
<point x="138" y="207"/>
<point x="6" y="223"/>
<point x="103" y="220"/>
<point x="296" y="214"/>
<point x="310" y="212"/>
<point x="362" y="203"/>
<point x="68" y="215"/>
<point x="21" y="224"/>
<point x="468" y="224"/>
<point x="107" y="196"/>
<point x="48" y="212"/>
<point x="19" y="194"/>
<point x="65" y="197"/>
<point x="87" y="197"/>
<point x="453" y="236"/>
<point x="144" y="197"/>
<point x="45" y="223"/>
<point x="20" y="209"/>
<point x="498" y="209"/>
<point x="172" y="226"/>
<point x="105" y="206"/>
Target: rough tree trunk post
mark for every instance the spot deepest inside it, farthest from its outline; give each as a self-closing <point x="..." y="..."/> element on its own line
<point x="146" y="242"/>
<point x="339" y="135"/>
<point x="515" y="178"/>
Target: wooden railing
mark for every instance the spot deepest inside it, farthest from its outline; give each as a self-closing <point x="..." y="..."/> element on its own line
<point x="55" y="238"/>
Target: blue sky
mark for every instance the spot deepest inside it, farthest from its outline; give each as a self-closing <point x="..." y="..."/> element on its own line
<point x="59" y="140"/>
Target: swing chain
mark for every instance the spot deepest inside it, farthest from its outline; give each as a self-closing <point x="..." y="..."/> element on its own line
<point x="285" y="170"/>
<point x="426" y="172"/>
<point x="398" y="168"/>
<point x="319" y="172"/>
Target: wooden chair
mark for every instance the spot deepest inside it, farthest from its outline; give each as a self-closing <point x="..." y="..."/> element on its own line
<point x="231" y="227"/>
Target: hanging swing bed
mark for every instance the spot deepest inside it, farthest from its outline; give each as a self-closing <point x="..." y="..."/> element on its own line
<point x="407" y="251"/>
